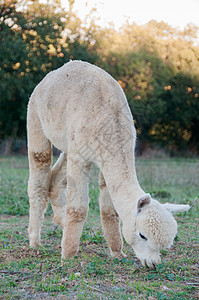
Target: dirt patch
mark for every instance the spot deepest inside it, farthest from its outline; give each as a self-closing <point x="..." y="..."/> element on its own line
<point x="21" y="252"/>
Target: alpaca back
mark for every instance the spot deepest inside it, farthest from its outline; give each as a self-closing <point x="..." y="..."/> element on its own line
<point x="78" y="103"/>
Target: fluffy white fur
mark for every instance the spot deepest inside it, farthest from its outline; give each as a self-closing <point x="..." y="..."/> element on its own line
<point x="82" y="111"/>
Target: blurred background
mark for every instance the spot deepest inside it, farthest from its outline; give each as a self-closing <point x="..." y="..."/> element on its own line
<point x="151" y="48"/>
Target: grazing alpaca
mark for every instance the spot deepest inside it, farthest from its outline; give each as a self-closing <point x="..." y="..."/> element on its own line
<point x="82" y="111"/>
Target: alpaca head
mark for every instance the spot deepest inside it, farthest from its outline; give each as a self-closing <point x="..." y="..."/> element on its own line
<point x="154" y="228"/>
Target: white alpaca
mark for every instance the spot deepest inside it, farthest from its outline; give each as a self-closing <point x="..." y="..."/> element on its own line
<point x="82" y="111"/>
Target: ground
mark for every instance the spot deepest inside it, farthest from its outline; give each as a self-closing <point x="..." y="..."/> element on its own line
<point x="92" y="274"/>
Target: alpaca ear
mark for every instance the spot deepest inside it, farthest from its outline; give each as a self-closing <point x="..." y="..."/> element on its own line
<point x="176" y="207"/>
<point x="143" y="201"/>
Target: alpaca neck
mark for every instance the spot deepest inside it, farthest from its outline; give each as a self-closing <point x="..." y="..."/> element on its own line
<point x="123" y="187"/>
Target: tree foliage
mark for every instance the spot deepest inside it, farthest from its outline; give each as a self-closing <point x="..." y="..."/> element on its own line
<point x="158" y="68"/>
<point x="36" y="38"/>
<point x="156" y="65"/>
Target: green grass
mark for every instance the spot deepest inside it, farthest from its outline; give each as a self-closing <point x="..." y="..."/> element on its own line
<point x="92" y="274"/>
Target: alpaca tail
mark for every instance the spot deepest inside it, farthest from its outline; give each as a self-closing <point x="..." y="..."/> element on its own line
<point x="57" y="189"/>
<point x="58" y="165"/>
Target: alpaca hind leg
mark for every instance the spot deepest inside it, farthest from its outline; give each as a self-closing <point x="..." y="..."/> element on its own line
<point x="77" y="202"/>
<point x="110" y="221"/>
<point x="40" y="156"/>
<point x="57" y="190"/>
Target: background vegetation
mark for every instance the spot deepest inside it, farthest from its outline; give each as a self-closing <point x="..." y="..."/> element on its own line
<point x="156" y="65"/>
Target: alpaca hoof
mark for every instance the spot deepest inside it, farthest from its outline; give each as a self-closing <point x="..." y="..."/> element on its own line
<point x="64" y="261"/>
<point x="69" y="252"/>
<point x="118" y="255"/>
<point x="34" y="244"/>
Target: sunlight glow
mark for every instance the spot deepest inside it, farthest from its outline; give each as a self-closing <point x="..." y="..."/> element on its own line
<point x="174" y="12"/>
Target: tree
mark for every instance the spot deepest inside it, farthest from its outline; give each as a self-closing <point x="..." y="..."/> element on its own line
<point x="13" y="83"/>
<point x="35" y="41"/>
<point x="157" y="65"/>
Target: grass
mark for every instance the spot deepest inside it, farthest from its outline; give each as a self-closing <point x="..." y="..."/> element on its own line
<point x="92" y="274"/>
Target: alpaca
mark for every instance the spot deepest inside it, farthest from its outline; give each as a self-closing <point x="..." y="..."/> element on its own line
<point x="82" y="110"/>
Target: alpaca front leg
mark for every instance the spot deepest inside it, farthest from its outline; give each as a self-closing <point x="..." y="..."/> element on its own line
<point x="110" y="221"/>
<point x="77" y="202"/>
<point x="36" y="215"/>
<point x="38" y="186"/>
<point x="40" y="157"/>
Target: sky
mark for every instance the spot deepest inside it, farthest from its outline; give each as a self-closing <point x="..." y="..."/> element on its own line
<point x="174" y="12"/>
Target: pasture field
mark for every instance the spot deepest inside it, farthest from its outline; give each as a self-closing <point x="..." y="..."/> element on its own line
<point x="92" y="274"/>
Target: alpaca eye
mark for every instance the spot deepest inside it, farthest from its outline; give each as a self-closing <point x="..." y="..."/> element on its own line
<point x="142" y="236"/>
